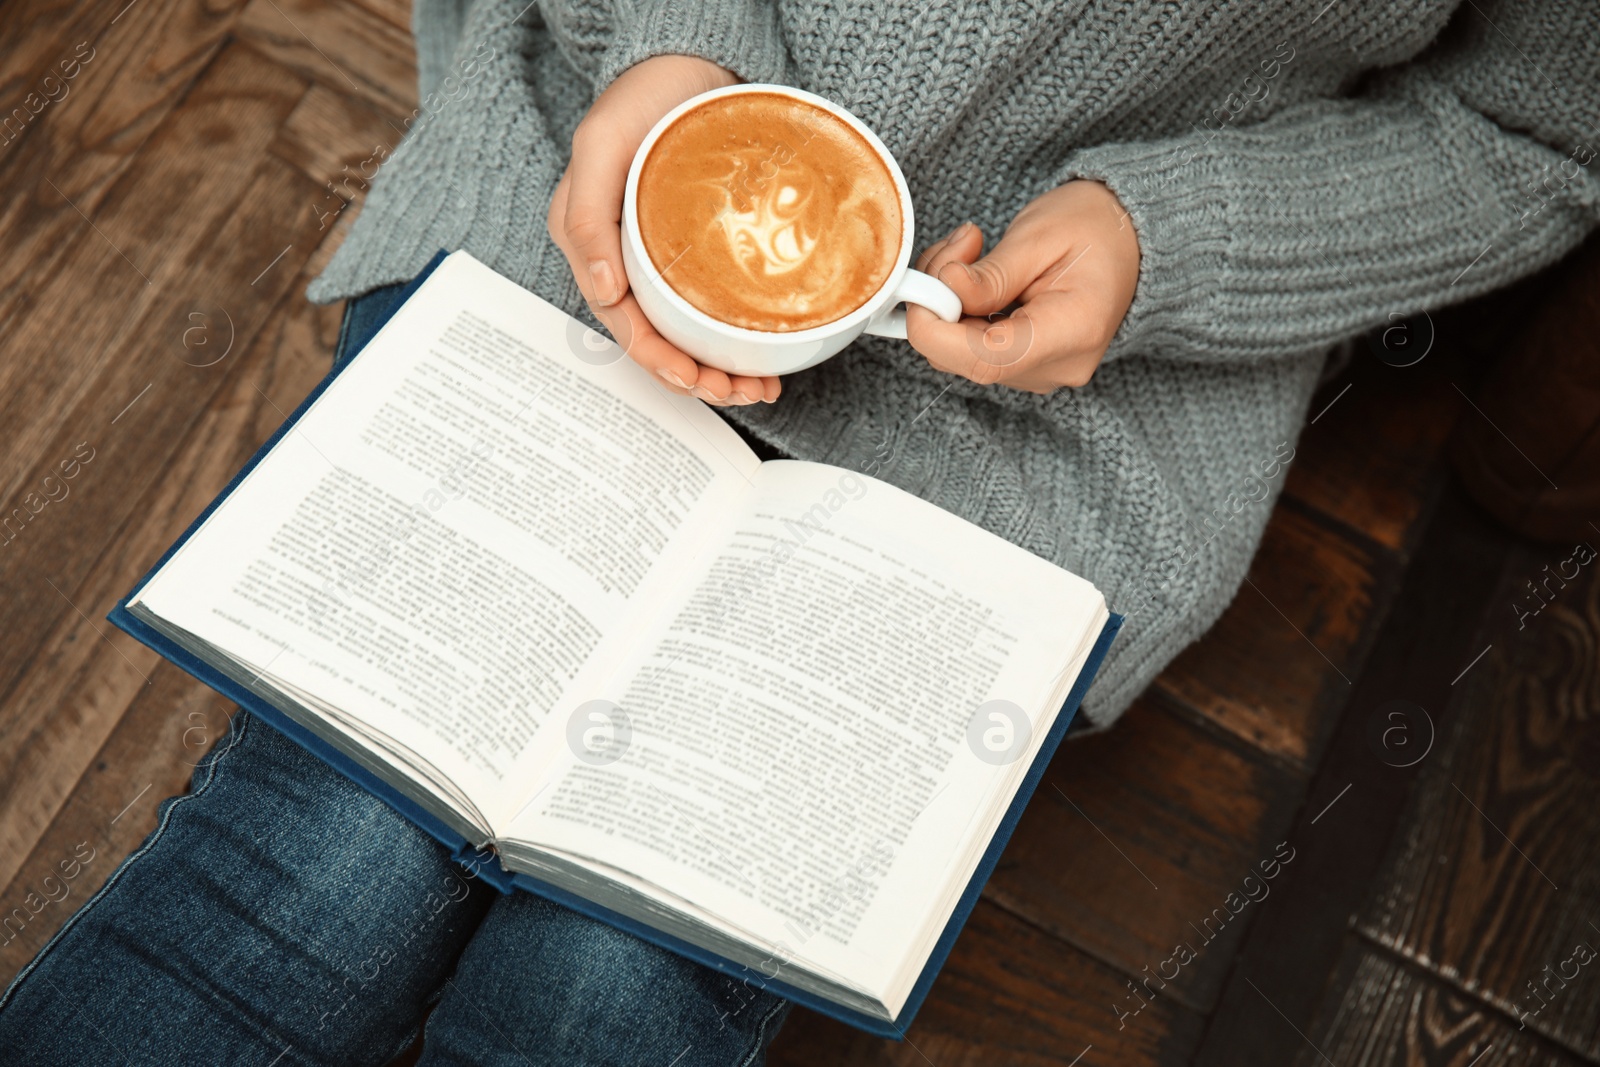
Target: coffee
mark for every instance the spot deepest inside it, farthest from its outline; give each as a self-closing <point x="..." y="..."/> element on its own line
<point x="768" y="212"/>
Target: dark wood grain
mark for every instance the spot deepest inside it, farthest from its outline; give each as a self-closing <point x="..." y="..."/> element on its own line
<point x="1009" y="995"/>
<point x="395" y="12"/>
<point x="339" y="142"/>
<point x="87" y="672"/>
<point x="1134" y="842"/>
<point x="1374" y="457"/>
<point x="1372" y="454"/>
<point x="341" y="45"/>
<point x="1277" y="667"/>
<point x="337" y="138"/>
<point x="141" y="242"/>
<point x="138" y="68"/>
<point x="1497" y="882"/>
<point x="33" y="37"/>
<point x="1352" y="810"/>
<point x="1392" y="1016"/>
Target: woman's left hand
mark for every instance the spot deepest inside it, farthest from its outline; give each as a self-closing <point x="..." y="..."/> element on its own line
<point x="1066" y="270"/>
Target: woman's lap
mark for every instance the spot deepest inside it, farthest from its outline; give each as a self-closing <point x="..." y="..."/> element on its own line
<point x="250" y="925"/>
<point x="281" y="915"/>
<point x="541" y="986"/>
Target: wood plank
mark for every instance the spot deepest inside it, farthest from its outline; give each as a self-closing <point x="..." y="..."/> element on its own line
<point x="1438" y="627"/>
<point x="341" y="45"/>
<point x="142" y="240"/>
<point x="1542" y="483"/>
<point x="1353" y="808"/>
<point x="1495" y="883"/>
<point x="1307" y="612"/>
<point x="1009" y="994"/>
<point x="33" y="48"/>
<point x="1372" y="458"/>
<point x="60" y="578"/>
<point x="334" y="137"/>
<point x="395" y="12"/>
<point x="333" y="237"/>
<point x="1134" y="842"/>
<point x="101" y="304"/>
<point x="169" y="723"/>
<point x="136" y="71"/>
<point x="340" y="143"/>
<point x="1387" y="1015"/>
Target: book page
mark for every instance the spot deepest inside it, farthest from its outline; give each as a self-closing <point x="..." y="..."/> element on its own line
<point x="443" y="540"/>
<point x="810" y="732"/>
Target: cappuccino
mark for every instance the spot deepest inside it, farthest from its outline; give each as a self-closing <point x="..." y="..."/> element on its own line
<point x="769" y="213"/>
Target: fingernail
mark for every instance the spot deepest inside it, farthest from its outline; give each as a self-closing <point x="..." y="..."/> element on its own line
<point x="744" y="398"/>
<point x="960" y="231"/>
<point x="705" y="394"/>
<point x="671" y="379"/>
<point x="605" y="283"/>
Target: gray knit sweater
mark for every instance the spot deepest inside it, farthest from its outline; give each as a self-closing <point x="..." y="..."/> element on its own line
<point x="1296" y="173"/>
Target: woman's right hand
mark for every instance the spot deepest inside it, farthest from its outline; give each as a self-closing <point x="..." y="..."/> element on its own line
<point x="586" y="214"/>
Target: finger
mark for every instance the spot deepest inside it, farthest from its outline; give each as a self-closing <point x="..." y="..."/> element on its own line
<point x="628" y="325"/>
<point x="557" y="211"/>
<point x="712" y="385"/>
<point x="954" y="347"/>
<point x="754" y="390"/>
<point x="930" y="252"/>
<point x="555" y="222"/>
<point x="678" y="371"/>
<point x="992" y="283"/>
<point x="592" y="218"/>
<point x="1065" y="336"/>
<point x="964" y="244"/>
<point x="938" y="247"/>
<point x="1042" y="345"/>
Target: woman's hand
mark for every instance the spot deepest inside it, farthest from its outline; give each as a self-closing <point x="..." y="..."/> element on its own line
<point x="586" y="213"/>
<point x="1070" y="258"/>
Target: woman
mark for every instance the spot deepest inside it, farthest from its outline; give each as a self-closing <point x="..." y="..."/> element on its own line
<point x="1192" y="207"/>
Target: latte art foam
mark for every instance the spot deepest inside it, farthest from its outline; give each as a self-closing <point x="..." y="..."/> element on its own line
<point x="768" y="212"/>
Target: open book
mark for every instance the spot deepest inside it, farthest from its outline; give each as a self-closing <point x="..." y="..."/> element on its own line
<point x="771" y="715"/>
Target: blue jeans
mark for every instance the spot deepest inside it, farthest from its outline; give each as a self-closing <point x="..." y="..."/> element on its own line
<point x="279" y="915"/>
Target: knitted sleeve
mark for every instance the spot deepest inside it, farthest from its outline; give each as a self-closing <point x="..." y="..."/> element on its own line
<point x="1440" y="180"/>
<point x="740" y="35"/>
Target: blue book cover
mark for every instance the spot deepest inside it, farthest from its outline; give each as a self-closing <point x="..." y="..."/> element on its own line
<point x="485" y="864"/>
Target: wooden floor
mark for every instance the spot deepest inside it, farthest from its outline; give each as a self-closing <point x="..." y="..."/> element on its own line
<point x="160" y="223"/>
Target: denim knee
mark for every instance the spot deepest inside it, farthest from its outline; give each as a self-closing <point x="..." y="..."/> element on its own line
<point x="561" y="988"/>
<point x="276" y="906"/>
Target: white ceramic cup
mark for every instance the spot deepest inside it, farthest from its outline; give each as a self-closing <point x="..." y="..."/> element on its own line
<point x="738" y="350"/>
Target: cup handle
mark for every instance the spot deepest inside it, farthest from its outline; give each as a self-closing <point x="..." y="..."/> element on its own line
<point x="915" y="288"/>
